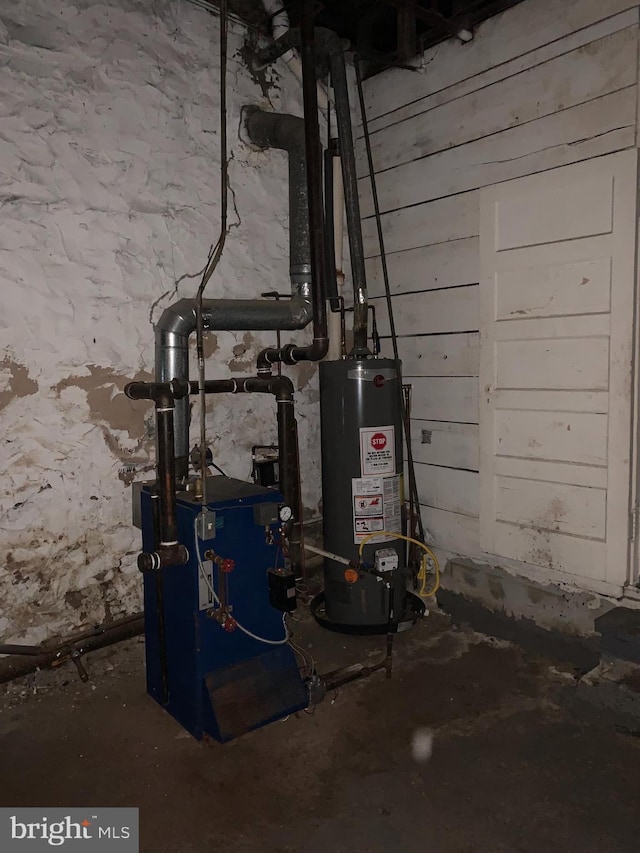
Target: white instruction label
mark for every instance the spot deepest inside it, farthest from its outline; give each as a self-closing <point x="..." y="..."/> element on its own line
<point x="364" y="526"/>
<point x="377" y="450"/>
<point x="367" y="505"/>
<point x="376" y="507"/>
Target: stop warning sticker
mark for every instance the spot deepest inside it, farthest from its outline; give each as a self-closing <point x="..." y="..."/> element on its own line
<point x="377" y="450"/>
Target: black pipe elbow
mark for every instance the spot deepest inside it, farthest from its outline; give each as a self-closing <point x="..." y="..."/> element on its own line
<point x="280" y="386"/>
<point x="266" y="359"/>
<point x="282" y="389"/>
<point x="316" y="352"/>
<point x="274" y="130"/>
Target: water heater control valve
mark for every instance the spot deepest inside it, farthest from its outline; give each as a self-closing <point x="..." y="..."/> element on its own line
<point x="386" y="560"/>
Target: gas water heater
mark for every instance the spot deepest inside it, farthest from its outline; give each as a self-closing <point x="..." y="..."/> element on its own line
<point x="362" y="489"/>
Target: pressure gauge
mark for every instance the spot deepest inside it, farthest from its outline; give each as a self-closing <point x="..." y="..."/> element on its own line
<point x="286" y="513"/>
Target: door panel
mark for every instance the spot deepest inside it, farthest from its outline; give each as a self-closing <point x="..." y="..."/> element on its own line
<point x="557" y="301"/>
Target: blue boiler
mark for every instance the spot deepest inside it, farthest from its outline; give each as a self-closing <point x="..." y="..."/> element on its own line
<point x="205" y="670"/>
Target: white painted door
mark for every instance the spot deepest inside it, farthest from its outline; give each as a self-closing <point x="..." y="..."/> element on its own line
<point x="557" y="302"/>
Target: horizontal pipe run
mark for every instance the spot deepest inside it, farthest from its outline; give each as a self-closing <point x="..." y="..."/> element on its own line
<point x="280" y="386"/>
<point x="340" y="677"/>
<point x="236" y="315"/>
<point x="77" y="644"/>
<point x="12" y="649"/>
<point x="328" y="554"/>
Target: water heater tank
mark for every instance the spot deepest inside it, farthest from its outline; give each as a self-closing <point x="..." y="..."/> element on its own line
<point x="362" y="484"/>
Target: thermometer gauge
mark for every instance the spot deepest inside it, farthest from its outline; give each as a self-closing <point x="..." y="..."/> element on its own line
<point x="286" y="513"/>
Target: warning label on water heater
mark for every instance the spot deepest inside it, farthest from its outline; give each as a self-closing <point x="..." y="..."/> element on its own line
<point x="376" y="507"/>
<point x="377" y="450"/>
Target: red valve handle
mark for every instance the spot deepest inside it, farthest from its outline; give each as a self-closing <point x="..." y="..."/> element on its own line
<point x="227" y="565"/>
<point x="229" y="624"/>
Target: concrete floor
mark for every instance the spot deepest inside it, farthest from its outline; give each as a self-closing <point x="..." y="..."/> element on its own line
<point x="511" y="769"/>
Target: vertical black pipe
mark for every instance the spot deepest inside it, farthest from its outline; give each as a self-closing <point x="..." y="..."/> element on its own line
<point x="282" y="388"/>
<point x="329" y="237"/>
<point x="290" y="470"/>
<point x="286" y="446"/>
<point x="166" y="472"/>
<point x="392" y="621"/>
<point x="159" y="583"/>
<point x="330" y="46"/>
<point x="351" y="200"/>
<point x="313" y="147"/>
<point x="169" y="552"/>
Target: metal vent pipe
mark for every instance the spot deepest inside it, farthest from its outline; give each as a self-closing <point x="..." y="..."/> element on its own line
<point x="286" y="132"/>
<point x="328" y="46"/>
<point x="178" y="322"/>
<point x="291" y="354"/>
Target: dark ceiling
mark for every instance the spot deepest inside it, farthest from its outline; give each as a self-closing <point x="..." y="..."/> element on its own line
<point x="386" y="32"/>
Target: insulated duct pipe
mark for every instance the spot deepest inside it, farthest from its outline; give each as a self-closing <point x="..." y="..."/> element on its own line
<point x="286" y="132"/>
<point x="178" y="322"/>
<point x="291" y="354"/>
<point x="330" y="46"/>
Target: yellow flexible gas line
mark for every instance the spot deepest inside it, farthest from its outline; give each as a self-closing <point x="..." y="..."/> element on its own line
<point x="422" y="574"/>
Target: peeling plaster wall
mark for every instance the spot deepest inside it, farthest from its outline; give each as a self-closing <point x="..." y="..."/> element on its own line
<point x="109" y="190"/>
